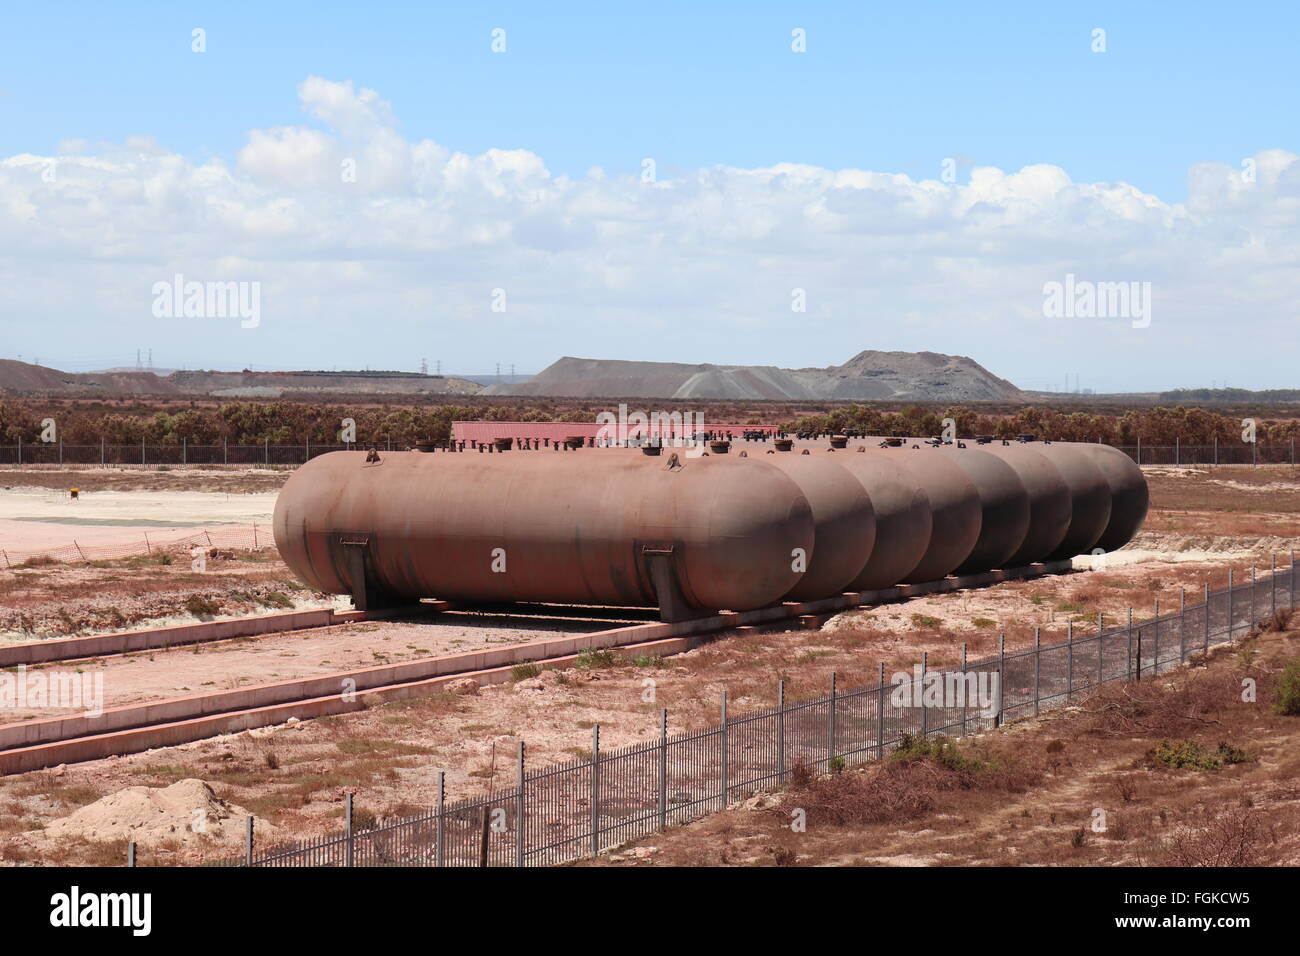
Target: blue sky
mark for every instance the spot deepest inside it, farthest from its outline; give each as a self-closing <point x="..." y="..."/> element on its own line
<point x="892" y="90"/>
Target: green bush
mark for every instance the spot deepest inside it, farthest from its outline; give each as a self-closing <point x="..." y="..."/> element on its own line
<point x="524" y="671"/>
<point x="944" y="751"/>
<point x="596" y="659"/>
<point x="1288" y="690"/>
<point x="1189" y="755"/>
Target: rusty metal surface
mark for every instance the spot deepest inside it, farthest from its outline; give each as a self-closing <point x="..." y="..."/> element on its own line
<point x="572" y="527"/>
<point x="903" y="522"/>
<point x="954" y="506"/>
<point x="1050" y="506"/>
<point x="1128" y="495"/>
<point x="1089" y="498"/>
<point x="1004" y="508"/>
<point x="844" y="523"/>
<point x="719" y="531"/>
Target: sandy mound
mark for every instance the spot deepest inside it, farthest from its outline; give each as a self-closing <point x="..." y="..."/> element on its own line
<point x="186" y="811"/>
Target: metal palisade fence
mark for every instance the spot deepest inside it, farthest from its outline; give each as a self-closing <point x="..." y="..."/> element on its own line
<point x="576" y="809"/>
<point x="268" y="454"/>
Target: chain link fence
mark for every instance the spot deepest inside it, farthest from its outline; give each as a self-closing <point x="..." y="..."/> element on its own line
<point x="291" y="455"/>
<point x="266" y="454"/>
<point x="1235" y="453"/>
<point x="576" y="809"/>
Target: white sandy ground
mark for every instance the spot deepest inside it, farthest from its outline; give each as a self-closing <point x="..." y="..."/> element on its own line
<point x="32" y="518"/>
<point x="290" y="655"/>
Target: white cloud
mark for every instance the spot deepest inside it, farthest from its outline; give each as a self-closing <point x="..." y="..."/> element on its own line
<point x="606" y="264"/>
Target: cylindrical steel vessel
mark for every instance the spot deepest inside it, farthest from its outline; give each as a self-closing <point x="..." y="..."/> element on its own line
<point x="1089" y="498"/>
<point x="1050" y="506"/>
<point x="955" y="510"/>
<point x="844" y="523"/>
<point x="1004" y="507"/>
<point x="1128" y="495"/>
<point x="902" y="512"/>
<point x="566" y="528"/>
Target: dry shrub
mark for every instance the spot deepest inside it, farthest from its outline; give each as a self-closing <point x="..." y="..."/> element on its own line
<point x="1277" y="622"/>
<point x="904" y="786"/>
<point x="1234" y="837"/>
<point x="892" y="793"/>
<point x="1154" y="709"/>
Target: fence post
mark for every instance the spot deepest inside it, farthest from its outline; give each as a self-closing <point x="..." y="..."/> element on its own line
<point x="101" y="449"/>
<point x="595" y="790"/>
<point x="130" y="854"/>
<point x="266" y="450"/>
<point x="964" y="685"/>
<point x="147" y="547"/>
<point x="830" y="729"/>
<point x="185" y="451"/>
<point x="726" y="784"/>
<point x="1206" y="587"/>
<point x="880" y="714"/>
<point x="440" y="833"/>
<point x="1155" y="651"/>
<point x="1130" y="644"/>
<point x="663" y="769"/>
<point x="20" y="450"/>
<point x="347" y="830"/>
<point x="1272" y="584"/>
<point x="1254" y="614"/>
<point x="1002" y="672"/>
<point x="1038" y="669"/>
<point x="1139" y="461"/>
<point x="1069" y="660"/>
<point x="1182" y="625"/>
<point x="307" y="454"/>
<point x="1177" y="450"/>
<point x="1216" y="449"/>
<point x="60" y="449"/>
<point x="225" y="450"/>
<point x="521" y="818"/>
<point x="780" y="732"/>
<point x="925" y="713"/>
<point x="142" y="461"/>
<point x="1230" y="609"/>
<point x="1101" y="622"/>
<point x="248" y="842"/>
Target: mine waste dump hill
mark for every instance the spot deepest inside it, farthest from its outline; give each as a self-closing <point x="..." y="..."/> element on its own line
<point x="923" y="376"/>
<point x="22" y="378"/>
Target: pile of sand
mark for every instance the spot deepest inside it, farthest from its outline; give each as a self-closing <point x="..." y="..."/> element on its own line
<point x="185" y="812"/>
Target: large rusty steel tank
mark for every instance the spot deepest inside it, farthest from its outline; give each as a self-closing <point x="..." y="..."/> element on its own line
<point x="1051" y="508"/>
<point x="1004" y="507"/>
<point x="1128" y="494"/>
<point x="844" y="523"/>
<point x="1089" y="499"/>
<point x="955" y="510"/>
<point x="902" y="512"/>
<point x="575" y="528"/>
